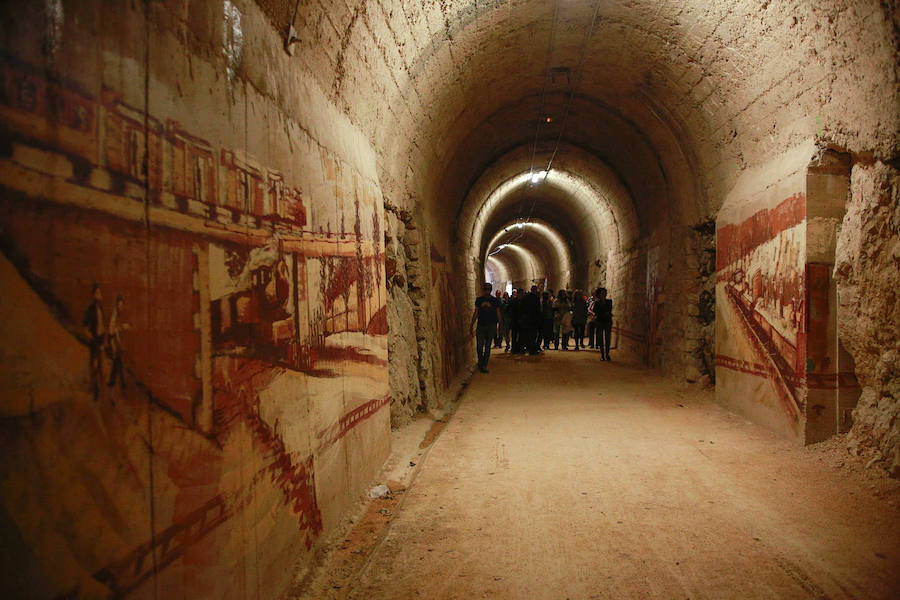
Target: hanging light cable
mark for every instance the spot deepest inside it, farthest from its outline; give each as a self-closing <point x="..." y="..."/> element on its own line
<point x="579" y="74"/>
<point x="535" y="177"/>
<point x="540" y="115"/>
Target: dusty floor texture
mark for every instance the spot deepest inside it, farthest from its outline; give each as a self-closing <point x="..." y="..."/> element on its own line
<point x="563" y="477"/>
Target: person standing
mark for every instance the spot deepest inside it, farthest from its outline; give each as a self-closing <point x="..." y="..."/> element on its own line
<point x="546" y="319"/>
<point x="504" y="321"/>
<point x="530" y="318"/>
<point x="603" y="309"/>
<point x="592" y="321"/>
<point x="579" y="318"/>
<point x="564" y="312"/>
<point x="498" y="339"/>
<point x="513" y="310"/>
<point x="487" y="317"/>
<point x="559" y="306"/>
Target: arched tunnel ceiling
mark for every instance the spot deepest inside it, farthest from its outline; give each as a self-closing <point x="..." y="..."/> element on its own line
<point x="580" y="198"/>
<point x="632" y="158"/>
<point x="497" y="270"/>
<point x="519" y="264"/>
<point x="541" y="238"/>
<point x="694" y="89"/>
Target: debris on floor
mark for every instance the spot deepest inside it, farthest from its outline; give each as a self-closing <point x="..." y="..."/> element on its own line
<point x="380" y="491"/>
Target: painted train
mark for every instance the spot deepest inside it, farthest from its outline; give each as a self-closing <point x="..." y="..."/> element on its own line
<point x="181" y="171"/>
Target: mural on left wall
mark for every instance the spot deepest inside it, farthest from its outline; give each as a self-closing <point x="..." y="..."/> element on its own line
<point x="194" y="366"/>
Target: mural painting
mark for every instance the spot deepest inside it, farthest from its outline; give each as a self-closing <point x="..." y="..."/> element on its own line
<point x="762" y="303"/>
<point x="177" y="317"/>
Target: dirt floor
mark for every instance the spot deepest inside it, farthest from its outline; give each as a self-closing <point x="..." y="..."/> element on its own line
<point x="560" y="476"/>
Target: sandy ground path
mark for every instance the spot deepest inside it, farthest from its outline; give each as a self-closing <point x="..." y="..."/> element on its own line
<point x="564" y="477"/>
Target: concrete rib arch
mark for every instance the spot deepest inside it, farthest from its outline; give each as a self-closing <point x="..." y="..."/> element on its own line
<point x="588" y="204"/>
<point x="546" y="242"/>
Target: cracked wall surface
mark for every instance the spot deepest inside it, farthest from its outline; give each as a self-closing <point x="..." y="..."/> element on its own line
<point x="868" y="281"/>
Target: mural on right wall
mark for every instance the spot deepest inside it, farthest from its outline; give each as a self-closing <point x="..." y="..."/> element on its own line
<point x="761" y="311"/>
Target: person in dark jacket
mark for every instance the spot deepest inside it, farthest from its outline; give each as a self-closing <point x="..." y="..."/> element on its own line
<point x="498" y="339"/>
<point x="579" y="318"/>
<point x="546" y="320"/>
<point x="530" y="321"/>
<point x="504" y="326"/>
<point x="485" y="319"/>
<point x="603" y="309"/>
<point x="562" y="320"/>
<point x="514" y="323"/>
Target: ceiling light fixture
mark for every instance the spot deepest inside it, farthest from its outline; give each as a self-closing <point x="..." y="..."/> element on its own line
<point x="498" y="249"/>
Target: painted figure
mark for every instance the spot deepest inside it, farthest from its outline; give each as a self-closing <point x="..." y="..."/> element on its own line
<point x="96" y="334"/>
<point x="116" y="327"/>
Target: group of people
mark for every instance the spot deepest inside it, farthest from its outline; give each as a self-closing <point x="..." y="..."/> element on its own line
<point x="529" y="322"/>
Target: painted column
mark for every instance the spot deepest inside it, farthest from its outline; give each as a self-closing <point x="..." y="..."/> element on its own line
<point x="832" y="388"/>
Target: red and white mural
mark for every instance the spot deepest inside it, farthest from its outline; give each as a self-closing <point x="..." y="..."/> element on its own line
<point x="761" y="308"/>
<point x="194" y="362"/>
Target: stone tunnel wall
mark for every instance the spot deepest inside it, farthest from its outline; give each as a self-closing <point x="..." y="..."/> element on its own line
<point x="867" y="272"/>
<point x="404" y="366"/>
<point x="425" y="347"/>
<point x="194" y="361"/>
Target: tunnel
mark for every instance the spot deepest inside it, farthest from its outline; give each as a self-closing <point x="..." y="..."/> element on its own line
<point x="242" y="243"/>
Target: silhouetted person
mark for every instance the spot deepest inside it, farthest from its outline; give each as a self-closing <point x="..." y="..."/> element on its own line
<point x="603" y="309"/>
<point x="498" y="339"/>
<point x="530" y="321"/>
<point x="546" y="319"/>
<point x="579" y="318"/>
<point x="592" y="334"/>
<point x="563" y="319"/>
<point x="504" y="321"/>
<point x="487" y="316"/>
<point x="514" y="322"/>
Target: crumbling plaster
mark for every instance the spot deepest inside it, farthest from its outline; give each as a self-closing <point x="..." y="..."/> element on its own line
<point x="867" y="272"/>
